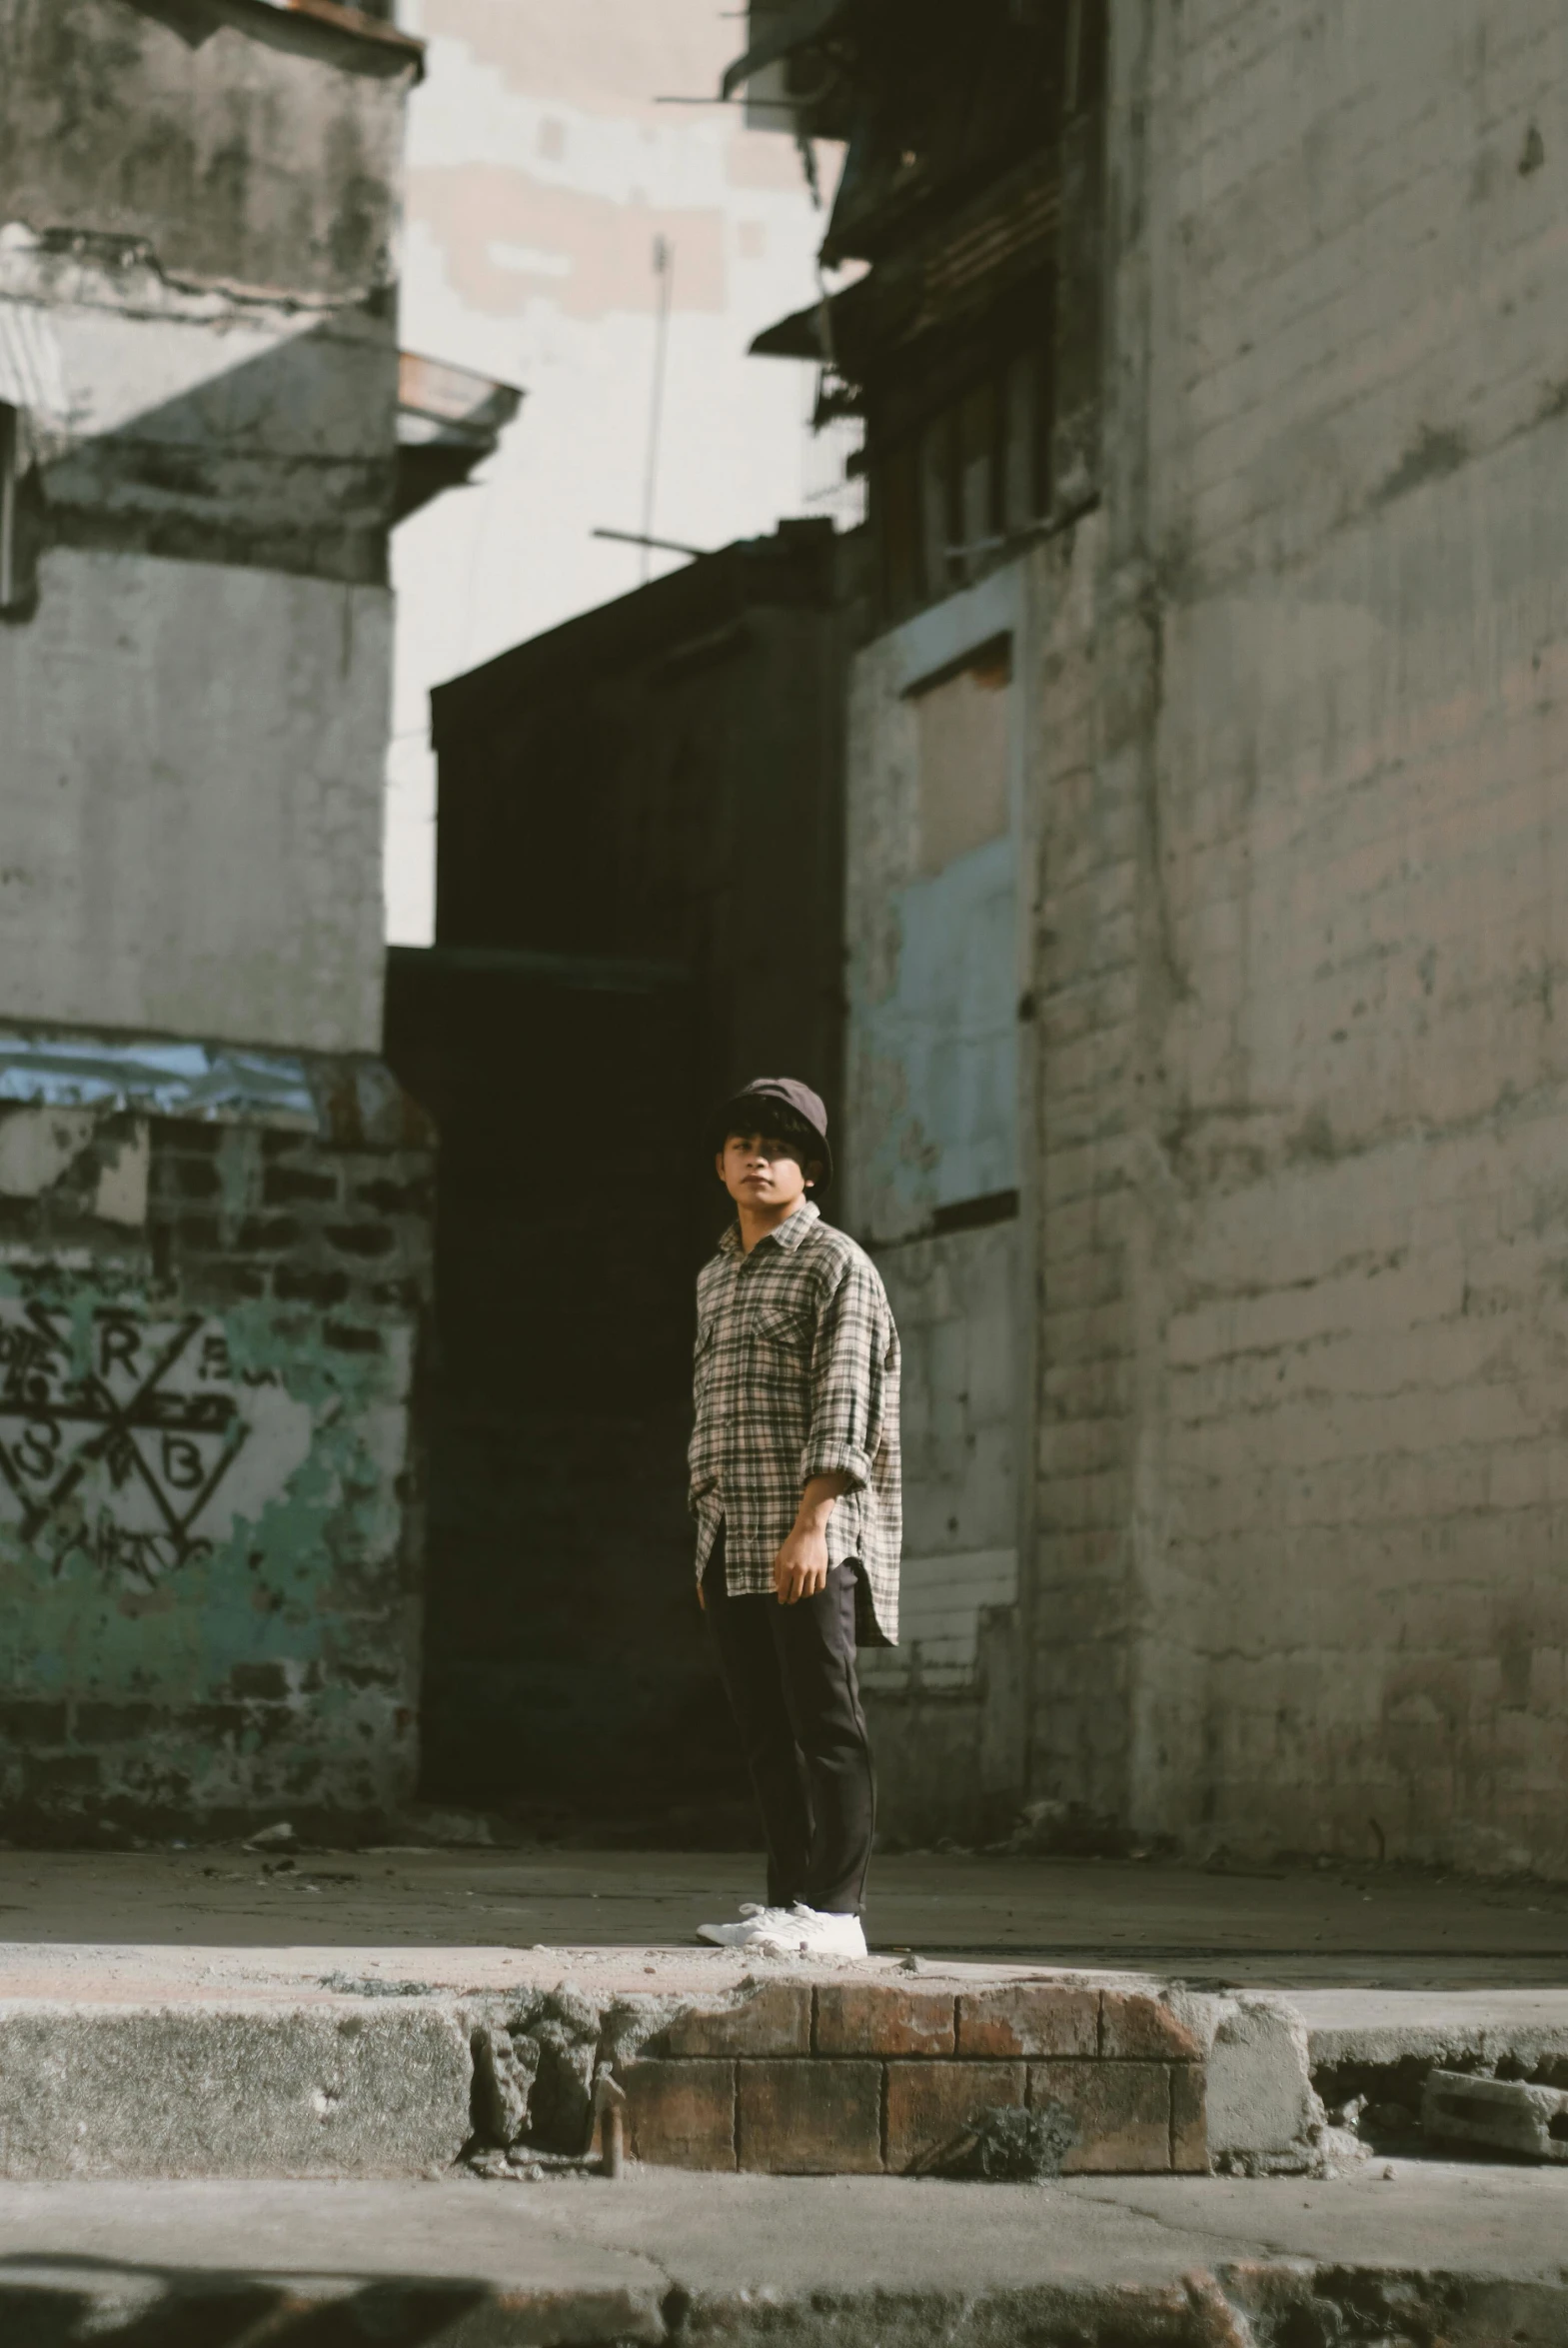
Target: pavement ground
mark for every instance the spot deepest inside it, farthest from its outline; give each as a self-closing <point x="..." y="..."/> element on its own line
<point x="1419" y="2252"/>
<point x="1397" y="2251"/>
<point x="1282" y="1927"/>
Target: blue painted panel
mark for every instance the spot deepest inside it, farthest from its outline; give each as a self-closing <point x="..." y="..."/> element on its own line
<point x="939" y="1052"/>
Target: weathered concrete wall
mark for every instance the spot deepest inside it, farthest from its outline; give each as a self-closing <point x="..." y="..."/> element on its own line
<point x="1300" y="1575"/>
<point x="195" y="672"/>
<point x="210" y="1509"/>
<point x="244" y="147"/>
<point x="193" y="837"/>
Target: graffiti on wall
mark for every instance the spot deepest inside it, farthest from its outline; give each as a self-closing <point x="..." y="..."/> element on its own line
<point x="134" y="1443"/>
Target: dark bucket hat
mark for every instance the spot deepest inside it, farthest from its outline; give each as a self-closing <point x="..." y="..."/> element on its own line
<point x="764" y="1093"/>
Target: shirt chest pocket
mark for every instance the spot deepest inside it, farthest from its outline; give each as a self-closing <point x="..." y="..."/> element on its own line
<point x="785" y="1331"/>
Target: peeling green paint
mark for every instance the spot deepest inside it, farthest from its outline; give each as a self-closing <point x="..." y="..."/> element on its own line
<point x="209" y="1600"/>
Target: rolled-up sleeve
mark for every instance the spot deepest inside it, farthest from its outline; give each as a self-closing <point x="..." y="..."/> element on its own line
<point x="850" y="1357"/>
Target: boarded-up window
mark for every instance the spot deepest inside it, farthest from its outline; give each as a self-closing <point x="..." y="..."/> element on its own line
<point x="962" y="723"/>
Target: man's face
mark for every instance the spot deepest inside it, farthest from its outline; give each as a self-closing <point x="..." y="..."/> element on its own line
<point x="757" y="1170"/>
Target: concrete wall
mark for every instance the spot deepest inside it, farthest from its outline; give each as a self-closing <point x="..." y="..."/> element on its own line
<point x="197" y="213"/>
<point x="192" y="838"/>
<point x="243" y="148"/>
<point x="208" y="1483"/>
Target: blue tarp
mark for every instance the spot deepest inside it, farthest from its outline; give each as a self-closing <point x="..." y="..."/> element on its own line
<point x="217" y="1081"/>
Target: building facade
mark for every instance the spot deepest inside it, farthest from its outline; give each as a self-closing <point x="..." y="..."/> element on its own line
<point x="639" y="909"/>
<point x="1205" y="813"/>
<point x="214" y="1201"/>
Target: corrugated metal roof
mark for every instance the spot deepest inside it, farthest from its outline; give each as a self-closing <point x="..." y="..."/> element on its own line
<point x="789" y="27"/>
<point x="31" y="373"/>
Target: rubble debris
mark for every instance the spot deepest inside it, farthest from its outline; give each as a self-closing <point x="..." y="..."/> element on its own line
<point x="1006" y="2145"/>
<point x="276" y="1837"/>
<point x="505" y="2070"/>
<point x="1507" y="2115"/>
<point x="351" y="1985"/>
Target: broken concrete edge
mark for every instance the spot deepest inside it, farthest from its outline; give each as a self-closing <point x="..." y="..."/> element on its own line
<point x="396" y="2078"/>
<point x="1506" y="2115"/>
<point x="444" y="2076"/>
<point x="1219" y="2304"/>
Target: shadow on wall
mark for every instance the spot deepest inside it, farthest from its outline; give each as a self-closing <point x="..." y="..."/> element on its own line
<point x="286" y="462"/>
<point x="48" y="2300"/>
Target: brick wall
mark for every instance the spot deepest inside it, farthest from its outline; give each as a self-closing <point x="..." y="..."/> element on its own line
<point x="210" y="1502"/>
<point x="1304" y="1228"/>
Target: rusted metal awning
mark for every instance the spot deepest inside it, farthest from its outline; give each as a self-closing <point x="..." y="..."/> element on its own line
<point x="359" y="22"/>
<point x="449" y="421"/>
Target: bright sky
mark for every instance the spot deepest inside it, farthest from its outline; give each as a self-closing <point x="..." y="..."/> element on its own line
<point x="541" y="167"/>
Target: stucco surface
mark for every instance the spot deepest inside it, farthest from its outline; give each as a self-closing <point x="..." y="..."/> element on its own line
<point x="193" y="842"/>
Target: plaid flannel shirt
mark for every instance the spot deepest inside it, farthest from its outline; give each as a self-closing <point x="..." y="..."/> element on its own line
<point x="796" y="1375"/>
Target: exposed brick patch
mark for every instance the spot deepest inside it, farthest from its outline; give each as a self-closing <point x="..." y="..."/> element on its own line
<point x="1030" y="2019"/>
<point x="816" y="2118"/>
<point x="303" y="1284"/>
<point x="361" y="1239"/>
<point x="931" y="2104"/>
<point x="289" y="1186"/>
<point x="383" y="1198"/>
<point x="1188" y="2121"/>
<point x="235" y="1742"/>
<point x="268" y="1682"/>
<point x="1122" y="2111"/>
<point x="1143" y="2027"/>
<point x="193" y="1177"/>
<point x="870" y="2019"/>
<point x="776" y="2021"/>
<point x="682" y="2114"/>
<point x="344" y="1338"/>
<point x="266" y="1235"/>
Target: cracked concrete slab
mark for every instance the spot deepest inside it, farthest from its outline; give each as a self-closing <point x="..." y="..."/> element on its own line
<point x="1191" y="2263"/>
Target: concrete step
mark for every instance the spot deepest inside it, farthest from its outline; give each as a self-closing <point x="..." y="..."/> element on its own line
<point x="201" y="2063"/>
<point x="187" y="2062"/>
<point x="1471" y="2257"/>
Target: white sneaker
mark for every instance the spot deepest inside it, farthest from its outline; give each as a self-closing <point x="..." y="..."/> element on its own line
<point x="755" y="1918"/>
<point x="793" y="1931"/>
<point x="804" y="1931"/>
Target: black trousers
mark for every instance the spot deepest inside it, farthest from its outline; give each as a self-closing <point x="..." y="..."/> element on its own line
<point x="790" y="1674"/>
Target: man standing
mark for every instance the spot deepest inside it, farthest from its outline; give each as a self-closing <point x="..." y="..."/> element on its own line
<point x="795" y="1486"/>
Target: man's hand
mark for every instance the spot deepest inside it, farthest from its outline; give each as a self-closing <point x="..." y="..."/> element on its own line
<point x="800" y="1567"/>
